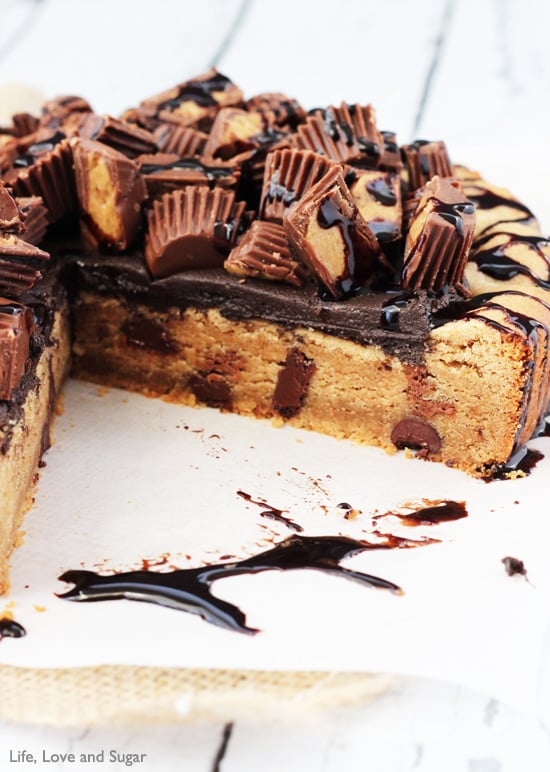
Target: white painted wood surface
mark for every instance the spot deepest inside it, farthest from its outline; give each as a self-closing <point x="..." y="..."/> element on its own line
<point x="469" y="71"/>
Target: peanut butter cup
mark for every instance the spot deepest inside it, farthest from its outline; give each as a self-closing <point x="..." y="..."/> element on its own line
<point x="45" y="169"/>
<point x="278" y="109"/>
<point x="424" y="160"/>
<point x="378" y="198"/>
<point x="110" y="192"/>
<point x="264" y="253"/>
<point x="194" y="227"/>
<point x="10" y="216"/>
<point x="439" y="238"/>
<point x="332" y="238"/>
<point x="192" y="103"/>
<point x="288" y="174"/>
<point x="34" y="218"/>
<point x="16" y="327"/>
<point x="164" y="172"/>
<point x="127" y="138"/>
<point x="183" y="141"/>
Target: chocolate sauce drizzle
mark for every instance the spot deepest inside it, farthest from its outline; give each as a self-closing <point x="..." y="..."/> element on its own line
<point x="441" y="512"/>
<point x="524" y="461"/>
<point x="452" y="213"/>
<point x="39" y="148"/>
<point x="497" y="265"/>
<point x="212" y="173"/>
<point x="190" y="589"/>
<point x="273" y="513"/>
<point x="328" y="216"/>
<point x="198" y="91"/>
<point x="9" y="628"/>
<point x="279" y="192"/>
<point x="382" y="192"/>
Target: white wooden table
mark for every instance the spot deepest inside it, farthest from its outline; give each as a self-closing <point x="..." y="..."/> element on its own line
<point x="473" y="72"/>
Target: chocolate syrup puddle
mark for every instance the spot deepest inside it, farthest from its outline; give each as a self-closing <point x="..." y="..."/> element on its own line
<point x="273" y="513"/>
<point x="523" y="461"/>
<point x="189" y="589"/>
<point x="9" y="628"/>
<point x="442" y="512"/>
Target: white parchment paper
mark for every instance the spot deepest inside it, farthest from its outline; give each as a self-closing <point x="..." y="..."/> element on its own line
<point x="132" y="479"/>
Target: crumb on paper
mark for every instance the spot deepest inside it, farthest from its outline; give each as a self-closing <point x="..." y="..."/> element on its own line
<point x="102" y="391"/>
<point x="514" y="566"/>
<point x="7" y="611"/>
<point x="38" y="608"/>
<point x="20" y="537"/>
<point x="515" y="474"/>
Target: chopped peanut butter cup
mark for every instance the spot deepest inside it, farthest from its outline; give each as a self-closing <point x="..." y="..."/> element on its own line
<point x="16" y="328"/>
<point x="24" y="124"/>
<point x="390" y="160"/>
<point x="45" y="169"/>
<point x="194" y="227"/>
<point x="352" y="130"/>
<point x="288" y="174"/>
<point x="34" y="218"/>
<point x="439" y="238"/>
<point x="19" y="265"/>
<point x="264" y="253"/>
<point x="183" y="141"/>
<point x="193" y="103"/>
<point x="164" y="172"/>
<point x="55" y="112"/>
<point x="10" y="216"/>
<point x="12" y="246"/>
<point x="17" y="277"/>
<point x="278" y="109"/>
<point x="424" y="160"/>
<point x="127" y="138"/>
<point x="378" y="198"/>
<point x="110" y="191"/>
<point x="316" y="135"/>
<point x="332" y="238"/>
<point x="236" y="131"/>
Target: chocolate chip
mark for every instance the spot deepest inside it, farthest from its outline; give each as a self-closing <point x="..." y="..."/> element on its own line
<point x="145" y="333"/>
<point x="212" y="389"/>
<point x="413" y="433"/>
<point x="293" y="383"/>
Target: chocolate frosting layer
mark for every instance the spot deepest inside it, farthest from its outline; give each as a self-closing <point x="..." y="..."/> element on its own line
<point x="398" y="322"/>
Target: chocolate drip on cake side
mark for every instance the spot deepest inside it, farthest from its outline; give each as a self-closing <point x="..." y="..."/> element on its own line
<point x="529" y="328"/>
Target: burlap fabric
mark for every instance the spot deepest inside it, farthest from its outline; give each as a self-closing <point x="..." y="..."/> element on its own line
<point x="113" y="694"/>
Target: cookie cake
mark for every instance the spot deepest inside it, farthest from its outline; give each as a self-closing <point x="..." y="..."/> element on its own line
<point x="252" y="256"/>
